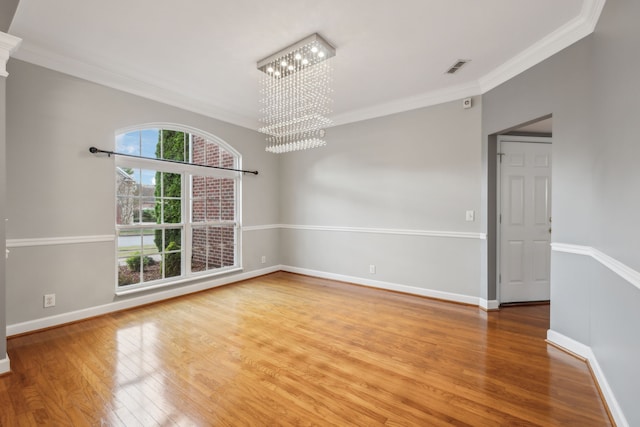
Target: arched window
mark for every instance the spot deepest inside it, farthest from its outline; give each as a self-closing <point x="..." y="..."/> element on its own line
<point x="174" y="220"/>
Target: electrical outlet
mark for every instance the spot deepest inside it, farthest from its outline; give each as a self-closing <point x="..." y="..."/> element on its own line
<point x="264" y="259"/>
<point x="49" y="300"/>
<point x="372" y="269"/>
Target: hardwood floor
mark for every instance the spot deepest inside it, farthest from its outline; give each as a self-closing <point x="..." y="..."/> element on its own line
<point x="285" y="349"/>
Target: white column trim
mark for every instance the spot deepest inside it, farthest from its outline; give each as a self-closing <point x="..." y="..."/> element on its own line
<point x="627" y="273"/>
<point x="584" y="351"/>
<point x="5" y="365"/>
<point x="8" y="45"/>
<point x="489" y="305"/>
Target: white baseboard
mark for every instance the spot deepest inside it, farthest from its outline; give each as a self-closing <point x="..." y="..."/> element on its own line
<point x="446" y="296"/>
<point x="489" y="305"/>
<point x="74" y="316"/>
<point x="585" y="351"/>
<point x="5" y="365"/>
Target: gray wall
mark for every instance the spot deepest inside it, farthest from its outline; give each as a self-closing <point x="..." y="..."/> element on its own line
<point x="591" y="89"/>
<point x="3" y="204"/>
<point x="56" y="188"/>
<point x="418" y="170"/>
<point x="7" y="10"/>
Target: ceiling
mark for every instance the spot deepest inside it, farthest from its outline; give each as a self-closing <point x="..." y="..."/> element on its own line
<point x="391" y="56"/>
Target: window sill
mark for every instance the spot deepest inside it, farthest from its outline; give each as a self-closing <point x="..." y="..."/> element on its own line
<point x="123" y="292"/>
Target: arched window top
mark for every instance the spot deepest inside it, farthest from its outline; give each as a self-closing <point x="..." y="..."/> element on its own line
<point x="176" y="142"/>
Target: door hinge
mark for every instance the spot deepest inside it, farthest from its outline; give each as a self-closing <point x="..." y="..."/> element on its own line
<point x="500" y="155"/>
<point x="499" y="278"/>
<point x="500" y="218"/>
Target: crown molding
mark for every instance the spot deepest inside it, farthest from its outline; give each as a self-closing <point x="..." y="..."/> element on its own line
<point x="409" y="103"/>
<point x="574" y="30"/>
<point x="150" y="89"/>
<point x="8" y="45"/>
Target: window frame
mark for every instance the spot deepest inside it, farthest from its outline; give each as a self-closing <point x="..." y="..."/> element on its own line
<point x="187" y="171"/>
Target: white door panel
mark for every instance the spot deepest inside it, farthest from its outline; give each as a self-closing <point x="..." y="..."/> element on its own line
<point x="525" y="227"/>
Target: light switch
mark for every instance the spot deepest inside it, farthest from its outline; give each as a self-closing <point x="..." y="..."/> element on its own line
<point x="471" y="215"/>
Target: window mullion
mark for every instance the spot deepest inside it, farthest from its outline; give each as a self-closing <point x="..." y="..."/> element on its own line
<point x="186" y="220"/>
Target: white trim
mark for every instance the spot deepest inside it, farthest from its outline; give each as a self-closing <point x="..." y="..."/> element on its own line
<point x="74" y="316"/>
<point x="627" y="273"/>
<point x="397" y="231"/>
<point x="72" y="240"/>
<point x="5" y="364"/>
<point x="534" y="139"/>
<point x="574" y="30"/>
<point x="261" y="227"/>
<point x="430" y="293"/>
<point x="8" y="45"/>
<point x="571" y="249"/>
<point x="569" y="344"/>
<point x="51" y="241"/>
<point x="487" y="305"/>
<point x="585" y="352"/>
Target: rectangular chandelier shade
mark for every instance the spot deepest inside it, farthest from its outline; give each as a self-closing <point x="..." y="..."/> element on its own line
<point x="296" y="89"/>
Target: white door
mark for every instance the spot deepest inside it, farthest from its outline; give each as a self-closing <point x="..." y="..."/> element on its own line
<point x="525" y="221"/>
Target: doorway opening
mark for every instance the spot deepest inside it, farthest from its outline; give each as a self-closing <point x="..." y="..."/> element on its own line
<point x="519" y="211"/>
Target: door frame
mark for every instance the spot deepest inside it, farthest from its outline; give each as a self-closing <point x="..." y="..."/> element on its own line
<point x="500" y="140"/>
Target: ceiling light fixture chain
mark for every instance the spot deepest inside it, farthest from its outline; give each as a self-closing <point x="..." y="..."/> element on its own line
<point x="296" y="89"/>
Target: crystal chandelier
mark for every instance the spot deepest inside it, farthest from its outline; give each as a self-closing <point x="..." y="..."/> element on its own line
<point x="296" y="88"/>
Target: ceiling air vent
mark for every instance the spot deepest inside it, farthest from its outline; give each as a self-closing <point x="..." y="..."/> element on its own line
<point x="455" y="67"/>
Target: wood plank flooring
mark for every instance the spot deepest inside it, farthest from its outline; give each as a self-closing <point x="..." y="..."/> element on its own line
<point x="285" y="349"/>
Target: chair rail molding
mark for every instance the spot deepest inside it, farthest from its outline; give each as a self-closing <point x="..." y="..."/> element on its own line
<point x="52" y="241"/>
<point x="372" y="230"/>
<point x="627" y="273"/>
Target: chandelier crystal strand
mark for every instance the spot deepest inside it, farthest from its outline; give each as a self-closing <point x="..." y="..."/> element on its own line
<point x="296" y="90"/>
